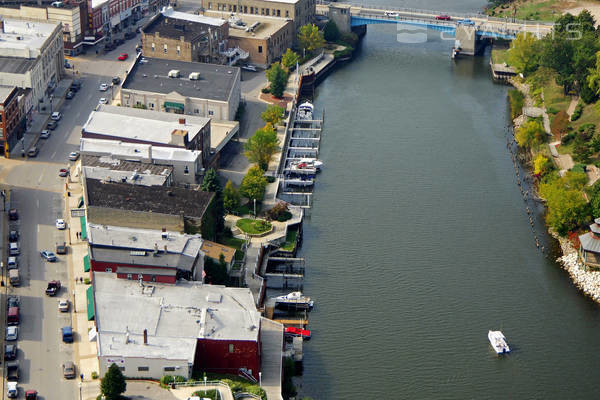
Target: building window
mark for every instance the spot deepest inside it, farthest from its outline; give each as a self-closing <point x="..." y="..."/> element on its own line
<point x="178" y="50"/>
<point x="165" y="48"/>
<point x="234" y="8"/>
<point x="279" y="13"/>
<point x="153" y="278"/>
<point x="267" y="11"/>
<point x="209" y="5"/>
<point x="211" y="112"/>
<point x="143" y="368"/>
<point x="245" y="9"/>
<point x="129" y="276"/>
<point x="153" y="46"/>
<point x="186" y="170"/>
<point x="196" y="111"/>
<point x="231" y="348"/>
<point x="262" y="11"/>
<point x="260" y="49"/>
<point x="287" y="14"/>
<point x="108" y="270"/>
<point x="169" y="369"/>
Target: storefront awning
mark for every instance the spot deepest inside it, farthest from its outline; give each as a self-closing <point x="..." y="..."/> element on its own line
<point x="89" y="294"/>
<point x="86" y="263"/>
<point x="83" y="228"/>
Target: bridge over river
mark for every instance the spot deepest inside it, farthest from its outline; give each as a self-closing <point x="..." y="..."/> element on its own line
<point x="469" y="29"/>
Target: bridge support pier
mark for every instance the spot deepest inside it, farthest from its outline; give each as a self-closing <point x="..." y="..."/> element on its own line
<point x="469" y="43"/>
<point x="340" y="14"/>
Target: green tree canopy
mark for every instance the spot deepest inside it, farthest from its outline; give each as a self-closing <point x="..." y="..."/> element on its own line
<point x="289" y="59"/>
<point x="210" y="183"/>
<point x="595" y="200"/>
<point x="567" y="208"/>
<point x="113" y="383"/>
<point x="331" y="33"/>
<point x="530" y="134"/>
<point x="277" y="78"/>
<point x="216" y="272"/>
<point x="261" y="147"/>
<point x="231" y="197"/>
<point x="541" y="165"/>
<point x="254" y="184"/>
<point x="524" y="53"/>
<point x="310" y="38"/>
<point x="273" y="114"/>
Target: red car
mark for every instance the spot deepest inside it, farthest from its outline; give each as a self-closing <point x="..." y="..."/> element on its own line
<point x="63" y="172"/>
<point x="443" y="17"/>
<point x="123" y="57"/>
<point x="31" y="395"/>
<point x="292" y="331"/>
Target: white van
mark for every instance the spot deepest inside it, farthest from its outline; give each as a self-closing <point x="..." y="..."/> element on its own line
<point x="174" y="73"/>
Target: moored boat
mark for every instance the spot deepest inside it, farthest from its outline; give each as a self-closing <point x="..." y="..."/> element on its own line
<point x="294" y="301"/>
<point x="498" y="342"/>
<point x="305" y="111"/>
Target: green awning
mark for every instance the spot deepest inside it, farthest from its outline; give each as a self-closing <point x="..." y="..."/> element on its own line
<point x="80" y="203"/>
<point x="83" y="228"/>
<point x="170" y="104"/>
<point x="89" y="293"/>
<point x="86" y="263"/>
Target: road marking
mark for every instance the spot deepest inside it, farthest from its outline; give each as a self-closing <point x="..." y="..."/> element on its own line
<point x="40" y="180"/>
<point x="53" y="155"/>
<point x="38" y="228"/>
<point x="38" y="203"/>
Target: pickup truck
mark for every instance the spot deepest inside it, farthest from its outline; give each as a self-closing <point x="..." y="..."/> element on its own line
<point x="53" y="288"/>
<point x="12" y="374"/>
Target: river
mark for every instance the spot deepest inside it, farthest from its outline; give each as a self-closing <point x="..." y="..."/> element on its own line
<point x="418" y="242"/>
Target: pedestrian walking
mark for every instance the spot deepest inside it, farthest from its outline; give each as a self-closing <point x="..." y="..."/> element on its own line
<point x="80" y="279"/>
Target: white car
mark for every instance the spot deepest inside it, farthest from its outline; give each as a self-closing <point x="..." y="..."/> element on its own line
<point x="12" y="333"/>
<point x="45" y="134"/>
<point x="56" y="116"/>
<point x="103" y="87"/>
<point x="73" y="156"/>
<point x="63" y="305"/>
<point x="61" y="224"/>
<point x="103" y="100"/>
<point x="12" y="390"/>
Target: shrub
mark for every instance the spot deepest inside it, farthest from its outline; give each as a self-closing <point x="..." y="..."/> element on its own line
<point x="346" y="52"/>
<point x="331" y="33"/>
<point x="265" y="90"/>
<point x="579" y="168"/>
<point x="552" y="110"/>
<point x="586" y="131"/>
<point x="349" y="39"/>
<point x="577" y="113"/>
<point x="87" y="281"/>
<point x="560" y="123"/>
<point x="568" y="138"/>
<point x="166" y="380"/>
<point x="94" y="375"/>
<point x="516" y="100"/>
<point x="279" y="212"/>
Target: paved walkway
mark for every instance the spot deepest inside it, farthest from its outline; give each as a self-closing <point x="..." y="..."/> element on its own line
<point x="183" y="392"/>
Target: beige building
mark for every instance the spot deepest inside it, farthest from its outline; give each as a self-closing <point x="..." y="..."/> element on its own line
<point x="181" y="36"/>
<point x="264" y="38"/>
<point x="31" y="55"/>
<point x="300" y="11"/>
<point x="68" y="15"/>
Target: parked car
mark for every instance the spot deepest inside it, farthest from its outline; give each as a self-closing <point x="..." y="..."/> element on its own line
<point x="76" y="85"/>
<point x="52" y="125"/>
<point x="63" y="172"/>
<point x="10" y="352"/>
<point x="13" y="249"/>
<point x="12" y="263"/>
<point x="61" y="224"/>
<point x="123" y="56"/>
<point x="31" y="395"/>
<point x="13" y="214"/>
<point x="69" y="370"/>
<point x="130" y="35"/>
<point x="13" y="236"/>
<point x="53" y="288"/>
<point x="73" y="156"/>
<point x="12" y="390"/>
<point x="12" y="333"/>
<point x="103" y="87"/>
<point x="70" y="94"/>
<point x="48" y="255"/>
<point x="33" y="152"/>
<point x="63" y="305"/>
<point x="61" y="248"/>
<point x="67" y="334"/>
<point x="12" y="371"/>
<point x="56" y="116"/>
<point x="119" y="42"/>
<point x="116" y="80"/>
<point x="45" y="134"/>
<point x="103" y="100"/>
<point x="13" y="301"/>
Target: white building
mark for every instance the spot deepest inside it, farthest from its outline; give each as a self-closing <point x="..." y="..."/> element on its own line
<point x="187" y="164"/>
<point x="31" y="55"/>
<point x="162" y="329"/>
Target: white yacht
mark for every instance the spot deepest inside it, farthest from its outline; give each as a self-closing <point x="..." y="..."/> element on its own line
<point x="498" y="342"/>
<point x="305" y="111"/>
<point x="316" y="164"/>
<point x="294" y="301"/>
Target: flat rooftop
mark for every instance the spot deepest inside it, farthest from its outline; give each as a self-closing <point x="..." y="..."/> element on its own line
<point x="268" y="25"/>
<point x="133" y="172"/>
<point x="175" y="316"/>
<point x="143" y="125"/>
<point x="174" y="24"/>
<point x="21" y="35"/>
<point x="214" y="250"/>
<point x="158" y="199"/>
<point x="152" y="75"/>
<point x="5" y="91"/>
<point x="16" y="65"/>
<point x="137" y="151"/>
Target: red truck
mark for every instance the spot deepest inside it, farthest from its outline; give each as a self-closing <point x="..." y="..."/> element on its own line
<point x="53" y="288"/>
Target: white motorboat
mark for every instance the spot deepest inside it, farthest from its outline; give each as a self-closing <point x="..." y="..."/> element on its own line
<point x="498" y="342"/>
<point x="316" y="164"/>
<point x="294" y="301"/>
<point x="305" y="111"/>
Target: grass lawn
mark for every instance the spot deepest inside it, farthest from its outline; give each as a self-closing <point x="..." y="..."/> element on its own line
<point x="253" y="226"/>
<point x="233" y="242"/>
<point x="565" y="148"/>
<point x="236" y="383"/>
<point x="208" y="394"/>
<point x="248" y="208"/>
<point x="554" y="97"/>
<point x="290" y="240"/>
<point x="539" y="10"/>
<point x="588" y="116"/>
<point x="500" y="56"/>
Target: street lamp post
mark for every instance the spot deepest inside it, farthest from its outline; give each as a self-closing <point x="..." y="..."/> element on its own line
<point x="260" y="378"/>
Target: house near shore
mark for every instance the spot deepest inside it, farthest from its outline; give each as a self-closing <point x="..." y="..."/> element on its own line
<point x="589" y="249"/>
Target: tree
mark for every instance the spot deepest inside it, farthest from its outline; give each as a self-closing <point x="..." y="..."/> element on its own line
<point x="310" y="38"/>
<point x="216" y="272"/>
<point x="277" y="78"/>
<point x="261" y="147"/>
<point x="567" y="208"/>
<point x="273" y="114"/>
<point x="113" y="383"/>
<point x="560" y="124"/>
<point x="331" y="33"/>
<point x="530" y="134"/>
<point x="595" y="199"/>
<point x="231" y="197"/>
<point x="524" y="53"/>
<point x="254" y="184"/>
<point x="289" y="59"/>
<point x="210" y="183"/>
<point x="541" y="165"/>
<point x="581" y="151"/>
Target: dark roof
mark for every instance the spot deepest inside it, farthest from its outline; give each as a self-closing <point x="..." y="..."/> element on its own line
<point x="157" y="199"/>
<point x="124" y="165"/>
<point x="175" y="28"/>
<point x="152" y="75"/>
<point x="16" y="65"/>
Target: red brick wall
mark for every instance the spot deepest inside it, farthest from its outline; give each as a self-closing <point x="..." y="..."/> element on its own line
<point x="101" y="266"/>
<point x="214" y="356"/>
<point x="148" y="278"/>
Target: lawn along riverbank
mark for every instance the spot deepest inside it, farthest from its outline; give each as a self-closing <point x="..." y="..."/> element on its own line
<point x="526" y="107"/>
